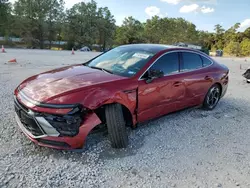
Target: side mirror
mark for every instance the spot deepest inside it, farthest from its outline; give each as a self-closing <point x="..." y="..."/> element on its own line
<point x="153" y="74"/>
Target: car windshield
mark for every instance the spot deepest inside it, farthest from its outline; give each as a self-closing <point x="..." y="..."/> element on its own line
<point x="123" y="61"/>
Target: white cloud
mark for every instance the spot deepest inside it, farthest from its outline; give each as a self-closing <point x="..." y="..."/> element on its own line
<point x="152" y="11"/>
<point x="189" y="8"/>
<point x="174" y="2"/>
<point x="196" y="8"/>
<point x="244" y="25"/>
<point x="205" y="9"/>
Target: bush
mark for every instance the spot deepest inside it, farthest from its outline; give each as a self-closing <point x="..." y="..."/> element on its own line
<point x="245" y="47"/>
<point x="233" y="48"/>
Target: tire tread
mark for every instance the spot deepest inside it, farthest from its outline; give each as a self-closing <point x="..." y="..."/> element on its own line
<point x="116" y="126"/>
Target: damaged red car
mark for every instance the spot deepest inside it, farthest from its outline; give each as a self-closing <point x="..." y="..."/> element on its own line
<point x="119" y="88"/>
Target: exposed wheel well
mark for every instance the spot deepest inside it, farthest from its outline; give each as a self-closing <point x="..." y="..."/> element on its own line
<point x="100" y="112"/>
<point x="220" y="86"/>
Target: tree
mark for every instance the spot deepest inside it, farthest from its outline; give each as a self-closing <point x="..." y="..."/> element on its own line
<point x="130" y="32"/>
<point x="82" y="23"/>
<point x="106" y="27"/>
<point x="231" y="34"/>
<point x="206" y="39"/>
<point x="4" y="17"/>
<point x="219" y="40"/>
<point x="245" y="47"/>
<point x="233" y="48"/>
<point x="87" y="24"/>
<point x="219" y="29"/>
<point x="153" y="30"/>
<point x="54" y="20"/>
<point x="34" y="17"/>
<point x="170" y="30"/>
<point x="246" y="33"/>
<point x="39" y="22"/>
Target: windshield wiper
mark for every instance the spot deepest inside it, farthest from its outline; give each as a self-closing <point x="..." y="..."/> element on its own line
<point x="102" y="69"/>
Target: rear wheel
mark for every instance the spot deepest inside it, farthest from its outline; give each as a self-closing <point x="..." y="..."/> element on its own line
<point x="212" y="98"/>
<point x="116" y="126"/>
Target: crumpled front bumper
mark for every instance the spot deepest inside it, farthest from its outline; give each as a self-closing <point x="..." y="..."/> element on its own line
<point x="58" y="142"/>
<point x="42" y="129"/>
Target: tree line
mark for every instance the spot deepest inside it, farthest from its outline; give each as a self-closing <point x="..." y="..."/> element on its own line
<point x="86" y="24"/>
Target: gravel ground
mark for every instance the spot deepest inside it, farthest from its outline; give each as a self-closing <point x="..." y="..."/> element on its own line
<point x="191" y="148"/>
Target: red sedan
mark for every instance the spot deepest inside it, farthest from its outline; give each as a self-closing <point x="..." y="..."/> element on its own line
<point x="122" y="87"/>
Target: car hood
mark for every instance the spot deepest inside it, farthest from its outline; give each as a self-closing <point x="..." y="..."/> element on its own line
<point x="58" y="82"/>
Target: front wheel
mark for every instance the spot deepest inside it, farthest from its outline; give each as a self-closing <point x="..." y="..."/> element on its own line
<point x="116" y="126"/>
<point x="212" y="98"/>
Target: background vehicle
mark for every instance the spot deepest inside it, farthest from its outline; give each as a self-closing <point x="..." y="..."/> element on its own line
<point x="122" y="87"/>
<point x="85" y="49"/>
<point x="247" y="75"/>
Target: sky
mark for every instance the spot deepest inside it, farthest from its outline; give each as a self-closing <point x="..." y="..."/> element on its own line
<point x="203" y="13"/>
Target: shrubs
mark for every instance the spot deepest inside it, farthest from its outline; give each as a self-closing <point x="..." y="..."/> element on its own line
<point x="233" y="48"/>
<point x="245" y="47"/>
<point x="238" y="49"/>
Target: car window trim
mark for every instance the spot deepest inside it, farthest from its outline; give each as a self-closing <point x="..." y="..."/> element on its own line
<point x="203" y="61"/>
<point x="180" y="56"/>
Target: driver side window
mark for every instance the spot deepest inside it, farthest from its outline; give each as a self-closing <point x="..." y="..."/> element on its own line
<point x="168" y="63"/>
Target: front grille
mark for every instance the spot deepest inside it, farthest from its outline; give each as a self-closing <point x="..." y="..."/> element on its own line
<point x="28" y="121"/>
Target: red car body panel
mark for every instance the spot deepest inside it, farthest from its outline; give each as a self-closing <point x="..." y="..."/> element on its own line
<point x="53" y="84"/>
<point x="93" y="88"/>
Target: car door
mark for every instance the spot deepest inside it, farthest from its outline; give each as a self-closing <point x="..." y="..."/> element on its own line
<point x="196" y="78"/>
<point x="160" y="96"/>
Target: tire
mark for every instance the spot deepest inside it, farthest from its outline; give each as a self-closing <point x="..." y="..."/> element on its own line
<point x="212" y="97"/>
<point x="116" y="126"/>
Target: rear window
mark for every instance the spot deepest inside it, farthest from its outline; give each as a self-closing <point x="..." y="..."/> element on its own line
<point x="190" y="61"/>
<point x="206" y="62"/>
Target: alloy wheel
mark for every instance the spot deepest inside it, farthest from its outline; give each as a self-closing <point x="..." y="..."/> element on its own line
<point x="213" y="97"/>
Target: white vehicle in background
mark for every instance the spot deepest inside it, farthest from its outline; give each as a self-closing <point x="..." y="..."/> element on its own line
<point x="85" y="49"/>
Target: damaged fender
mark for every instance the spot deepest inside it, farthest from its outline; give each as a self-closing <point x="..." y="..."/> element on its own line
<point x="94" y="98"/>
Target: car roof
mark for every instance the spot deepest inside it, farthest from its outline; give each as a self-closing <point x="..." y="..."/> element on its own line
<point x="154" y="48"/>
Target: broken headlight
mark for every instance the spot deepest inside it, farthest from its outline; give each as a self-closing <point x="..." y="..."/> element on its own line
<point x="69" y="124"/>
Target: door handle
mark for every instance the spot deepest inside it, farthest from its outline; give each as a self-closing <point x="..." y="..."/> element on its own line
<point x="177" y="84"/>
<point x="208" y="78"/>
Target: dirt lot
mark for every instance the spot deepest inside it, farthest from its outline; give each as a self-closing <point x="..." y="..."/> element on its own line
<point x="192" y="148"/>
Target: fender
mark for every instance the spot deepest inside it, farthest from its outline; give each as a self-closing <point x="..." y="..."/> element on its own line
<point x="95" y="97"/>
<point x="127" y="98"/>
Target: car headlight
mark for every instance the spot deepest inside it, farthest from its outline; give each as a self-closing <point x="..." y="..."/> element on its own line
<point x="69" y="124"/>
